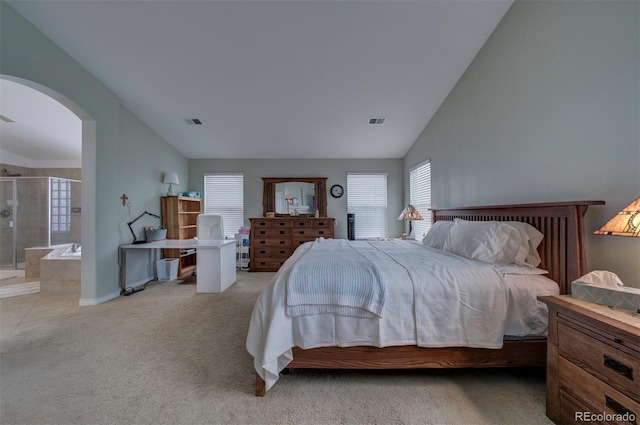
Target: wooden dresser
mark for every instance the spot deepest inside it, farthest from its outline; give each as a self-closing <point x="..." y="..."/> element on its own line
<point x="273" y="240"/>
<point x="593" y="362"/>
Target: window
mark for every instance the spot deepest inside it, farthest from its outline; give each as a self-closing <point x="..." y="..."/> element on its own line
<point x="420" y="197"/>
<point x="60" y="205"/>
<point x="367" y="199"/>
<point x="224" y="195"/>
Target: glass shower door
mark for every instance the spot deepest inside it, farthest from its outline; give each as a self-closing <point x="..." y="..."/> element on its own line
<point x="7" y="224"/>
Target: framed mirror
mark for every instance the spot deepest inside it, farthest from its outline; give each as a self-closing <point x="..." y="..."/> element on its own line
<point x="285" y="195"/>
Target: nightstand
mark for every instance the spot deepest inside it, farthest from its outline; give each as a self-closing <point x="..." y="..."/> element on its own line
<point x="593" y="362"/>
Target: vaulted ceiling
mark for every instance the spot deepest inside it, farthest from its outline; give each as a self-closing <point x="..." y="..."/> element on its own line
<point x="274" y="79"/>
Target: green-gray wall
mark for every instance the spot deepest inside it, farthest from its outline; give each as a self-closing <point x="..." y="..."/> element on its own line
<point x="547" y="111"/>
<point x="120" y="154"/>
<point x="334" y="169"/>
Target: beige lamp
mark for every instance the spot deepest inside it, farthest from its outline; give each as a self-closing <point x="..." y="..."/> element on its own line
<point x="409" y="214"/>
<point x="625" y="223"/>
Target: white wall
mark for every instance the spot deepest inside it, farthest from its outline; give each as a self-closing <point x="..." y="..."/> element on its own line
<point x="547" y="111"/>
<point x="334" y="169"/>
<point x="120" y="154"/>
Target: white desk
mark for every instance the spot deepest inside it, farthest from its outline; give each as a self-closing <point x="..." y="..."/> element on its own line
<point x="216" y="261"/>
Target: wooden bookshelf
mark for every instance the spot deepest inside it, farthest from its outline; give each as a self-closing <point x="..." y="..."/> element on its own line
<point x="179" y="215"/>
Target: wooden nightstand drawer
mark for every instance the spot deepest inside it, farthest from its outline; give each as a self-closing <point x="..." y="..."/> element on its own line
<point x="606" y="361"/>
<point x="597" y="396"/>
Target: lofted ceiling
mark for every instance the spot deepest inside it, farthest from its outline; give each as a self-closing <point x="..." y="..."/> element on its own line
<point x="275" y="79"/>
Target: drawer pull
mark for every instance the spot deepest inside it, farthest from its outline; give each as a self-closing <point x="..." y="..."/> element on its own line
<point x="617" y="407"/>
<point x="262" y="232"/>
<point x="282" y="242"/>
<point x="282" y="232"/>
<point x="263" y="252"/>
<point x="321" y="232"/>
<point x="263" y="242"/>
<point x="281" y="252"/>
<point x="618" y="367"/>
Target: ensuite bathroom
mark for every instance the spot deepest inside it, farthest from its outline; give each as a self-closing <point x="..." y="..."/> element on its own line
<point x="40" y="222"/>
<point x="40" y="193"/>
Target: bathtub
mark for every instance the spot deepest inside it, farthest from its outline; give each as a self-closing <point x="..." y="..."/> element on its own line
<point x="60" y="272"/>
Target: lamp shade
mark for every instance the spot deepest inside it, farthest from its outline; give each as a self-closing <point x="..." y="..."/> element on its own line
<point x="410" y="213"/>
<point x="171" y="178"/>
<point x="625" y="223"/>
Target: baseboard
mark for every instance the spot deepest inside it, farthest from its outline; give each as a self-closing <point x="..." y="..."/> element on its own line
<point x="94" y="301"/>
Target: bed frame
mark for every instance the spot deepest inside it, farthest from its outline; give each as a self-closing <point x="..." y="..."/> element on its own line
<point x="563" y="255"/>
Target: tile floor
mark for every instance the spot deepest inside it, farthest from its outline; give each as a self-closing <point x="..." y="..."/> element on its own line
<point x="27" y="311"/>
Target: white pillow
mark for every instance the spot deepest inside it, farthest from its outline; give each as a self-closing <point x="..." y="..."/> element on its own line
<point x="531" y="237"/>
<point x="486" y="241"/>
<point x="516" y="269"/>
<point x="437" y="234"/>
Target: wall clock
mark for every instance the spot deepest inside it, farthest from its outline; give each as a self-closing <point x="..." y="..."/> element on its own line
<point x="337" y="191"/>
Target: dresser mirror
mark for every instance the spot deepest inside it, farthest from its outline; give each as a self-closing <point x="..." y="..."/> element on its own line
<point x="295" y="195"/>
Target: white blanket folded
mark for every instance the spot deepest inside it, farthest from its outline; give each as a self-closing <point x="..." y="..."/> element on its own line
<point x="333" y="277"/>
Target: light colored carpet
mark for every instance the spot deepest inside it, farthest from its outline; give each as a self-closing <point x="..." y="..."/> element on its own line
<point x="19" y="289"/>
<point x="167" y="355"/>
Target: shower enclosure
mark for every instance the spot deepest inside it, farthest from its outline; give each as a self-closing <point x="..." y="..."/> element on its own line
<point x="37" y="212"/>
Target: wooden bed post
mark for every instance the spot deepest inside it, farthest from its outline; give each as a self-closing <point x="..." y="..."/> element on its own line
<point x="260" y="386"/>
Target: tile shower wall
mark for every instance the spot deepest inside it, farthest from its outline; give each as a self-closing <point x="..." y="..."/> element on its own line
<point x="32" y="195"/>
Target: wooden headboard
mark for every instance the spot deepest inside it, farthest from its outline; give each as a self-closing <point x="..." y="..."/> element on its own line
<point x="562" y="223"/>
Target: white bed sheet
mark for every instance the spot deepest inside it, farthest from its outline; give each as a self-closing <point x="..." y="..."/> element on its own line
<point x="272" y="333"/>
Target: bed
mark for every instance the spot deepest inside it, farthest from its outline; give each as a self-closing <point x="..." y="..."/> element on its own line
<point x="561" y="254"/>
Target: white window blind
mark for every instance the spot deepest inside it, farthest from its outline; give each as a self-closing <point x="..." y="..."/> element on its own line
<point x="367" y="199"/>
<point x="224" y="195"/>
<point x="420" y="197"/>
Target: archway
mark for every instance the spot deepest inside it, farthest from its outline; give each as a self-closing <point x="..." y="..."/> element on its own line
<point x="88" y="203"/>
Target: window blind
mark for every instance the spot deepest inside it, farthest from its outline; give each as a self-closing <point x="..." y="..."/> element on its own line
<point x="420" y="197"/>
<point x="367" y="199"/>
<point x="224" y="195"/>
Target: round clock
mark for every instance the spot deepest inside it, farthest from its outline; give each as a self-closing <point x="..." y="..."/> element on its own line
<point x="337" y="191"/>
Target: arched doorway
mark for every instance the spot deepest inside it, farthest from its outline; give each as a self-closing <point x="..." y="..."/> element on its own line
<point x="88" y="136"/>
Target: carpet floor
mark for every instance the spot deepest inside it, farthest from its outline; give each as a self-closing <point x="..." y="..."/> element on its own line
<point x="167" y="355"/>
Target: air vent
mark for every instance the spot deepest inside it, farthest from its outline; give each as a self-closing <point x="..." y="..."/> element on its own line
<point x="376" y="120"/>
<point x="193" y="121"/>
<point x="5" y="119"/>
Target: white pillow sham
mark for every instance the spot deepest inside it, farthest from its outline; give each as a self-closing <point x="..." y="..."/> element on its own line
<point x="531" y="237"/>
<point x="486" y="241"/>
<point x="437" y="234"/>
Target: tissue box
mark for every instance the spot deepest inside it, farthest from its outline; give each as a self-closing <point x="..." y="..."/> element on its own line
<point x="621" y="297"/>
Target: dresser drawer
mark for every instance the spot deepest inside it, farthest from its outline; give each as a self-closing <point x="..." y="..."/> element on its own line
<point x="267" y="264"/>
<point x="271" y="252"/>
<point x="596" y="395"/>
<point x="322" y="224"/>
<point x="270" y="233"/>
<point x="258" y="243"/>
<point x="311" y="234"/>
<point x="271" y="224"/>
<point x="606" y="361"/>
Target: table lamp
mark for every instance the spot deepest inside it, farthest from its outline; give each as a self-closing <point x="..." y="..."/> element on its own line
<point x="625" y="223"/>
<point x="171" y="179"/>
<point x="409" y="214"/>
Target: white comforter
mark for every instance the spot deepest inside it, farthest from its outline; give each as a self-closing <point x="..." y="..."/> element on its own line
<point x="434" y="299"/>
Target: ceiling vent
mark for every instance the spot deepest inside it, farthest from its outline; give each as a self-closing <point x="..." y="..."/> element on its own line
<point x="5" y="119"/>
<point x="193" y="121"/>
<point x="376" y="120"/>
